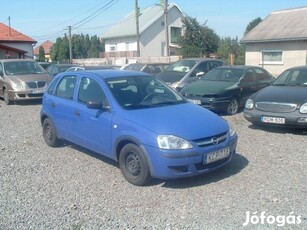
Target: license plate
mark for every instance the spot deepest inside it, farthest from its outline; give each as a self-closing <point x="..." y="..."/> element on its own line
<point x="37" y="91"/>
<point x="273" y="120"/>
<point x="197" y="102"/>
<point x="217" y="155"/>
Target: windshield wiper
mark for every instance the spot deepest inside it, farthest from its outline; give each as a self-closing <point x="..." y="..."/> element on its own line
<point x="280" y="84"/>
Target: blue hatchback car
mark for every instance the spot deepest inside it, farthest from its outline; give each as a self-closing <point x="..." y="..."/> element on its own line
<point x="138" y="121"/>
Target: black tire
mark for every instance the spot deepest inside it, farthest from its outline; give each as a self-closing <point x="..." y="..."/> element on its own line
<point x="6" y="97"/>
<point x="133" y="165"/>
<point x="49" y="133"/>
<point x="233" y="107"/>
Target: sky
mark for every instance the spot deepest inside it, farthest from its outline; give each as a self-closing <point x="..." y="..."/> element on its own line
<point x="46" y="20"/>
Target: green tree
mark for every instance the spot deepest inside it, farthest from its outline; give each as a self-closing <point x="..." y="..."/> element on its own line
<point x="198" y="40"/>
<point x="252" y="25"/>
<point x="63" y="55"/>
<point x="41" y="54"/>
<point x="229" y="46"/>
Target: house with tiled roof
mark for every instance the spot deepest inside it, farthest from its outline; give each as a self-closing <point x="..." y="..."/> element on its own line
<point x="14" y="44"/>
<point x="279" y="41"/>
<point x="121" y="39"/>
<point x="46" y="46"/>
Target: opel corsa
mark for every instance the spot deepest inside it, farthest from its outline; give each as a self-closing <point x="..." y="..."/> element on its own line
<point x="138" y="121"/>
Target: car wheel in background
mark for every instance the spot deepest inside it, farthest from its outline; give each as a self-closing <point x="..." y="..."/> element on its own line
<point x="6" y="97"/>
<point x="233" y="106"/>
<point x="133" y="165"/>
<point x="49" y="133"/>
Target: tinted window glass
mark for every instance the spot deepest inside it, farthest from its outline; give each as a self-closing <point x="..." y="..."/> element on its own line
<point x="51" y="87"/>
<point x="66" y="87"/>
<point x="90" y="90"/>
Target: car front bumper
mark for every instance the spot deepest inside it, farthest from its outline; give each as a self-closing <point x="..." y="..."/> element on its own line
<point x="293" y="119"/>
<point x="169" y="164"/>
<point x="26" y="94"/>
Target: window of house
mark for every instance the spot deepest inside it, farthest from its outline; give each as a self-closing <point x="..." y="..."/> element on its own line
<point x="271" y="57"/>
<point x="175" y="34"/>
<point x="113" y="48"/>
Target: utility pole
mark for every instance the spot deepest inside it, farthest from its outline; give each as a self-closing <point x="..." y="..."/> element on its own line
<point x="10" y="26"/>
<point x="69" y="43"/>
<point x="137" y="13"/>
<point x="166" y="28"/>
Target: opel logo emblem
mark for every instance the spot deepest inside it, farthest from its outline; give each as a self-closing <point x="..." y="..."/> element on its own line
<point x="214" y="141"/>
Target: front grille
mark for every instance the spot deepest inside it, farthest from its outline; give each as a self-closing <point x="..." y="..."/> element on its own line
<point x="36" y="84"/>
<point x="276" y="107"/>
<point x="213" y="140"/>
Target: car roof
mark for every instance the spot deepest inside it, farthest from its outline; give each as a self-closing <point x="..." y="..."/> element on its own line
<point x="200" y="59"/>
<point x="15" y="60"/>
<point x="237" y="67"/>
<point x="105" y="74"/>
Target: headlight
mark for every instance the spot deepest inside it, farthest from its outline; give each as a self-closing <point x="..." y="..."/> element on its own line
<point x="303" y="108"/>
<point x="231" y="130"/>
<point x="18" y="86"/>
<point x="249" y="104"/>
<point x="172" y="142"/>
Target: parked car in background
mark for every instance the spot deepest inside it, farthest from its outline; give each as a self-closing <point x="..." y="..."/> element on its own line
<point x="226" y="88"/>
<point x="185" y="71"/>
<point x="283" y="104"/>
<point x="83" y="68"/>
<point x="22" y="79"/>
<point x="44" y="64"/>
<point x="151" y="68"/>
<point x="114" y="113"/>
<point x="55" y="69"/>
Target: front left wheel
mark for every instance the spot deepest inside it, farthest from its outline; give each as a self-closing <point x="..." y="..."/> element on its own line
<point x="6" y="97"/>
<point x="133" y="165"/>
<point x="233" y="106"/>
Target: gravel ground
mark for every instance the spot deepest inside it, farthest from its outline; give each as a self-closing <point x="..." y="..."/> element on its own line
<point x="72" y="188"/>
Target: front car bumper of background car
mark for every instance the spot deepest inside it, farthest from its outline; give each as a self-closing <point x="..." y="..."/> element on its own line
<point x="214" y="104"/>
<point x="26" y="94"/>
<point x="293" y="119"/>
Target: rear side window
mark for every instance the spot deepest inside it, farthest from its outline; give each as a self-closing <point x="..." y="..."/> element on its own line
<point x="66" y="87"/>
<point x="262" y="75"/>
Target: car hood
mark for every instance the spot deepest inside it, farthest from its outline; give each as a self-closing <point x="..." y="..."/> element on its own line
<point x="30" y="77"/>
<point x="185" y="120"/>
<point x="171" y="76"/>
<point x="285" y="94"/>
<point x="203" y="87"/>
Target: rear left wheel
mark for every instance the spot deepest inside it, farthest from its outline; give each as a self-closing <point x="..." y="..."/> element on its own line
<point x="49" y="133"/>
<point x="133" y="165"/>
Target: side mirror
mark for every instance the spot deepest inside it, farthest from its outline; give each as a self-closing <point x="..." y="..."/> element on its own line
<point x="97" y="105"/>
<point x="199" y="74"/>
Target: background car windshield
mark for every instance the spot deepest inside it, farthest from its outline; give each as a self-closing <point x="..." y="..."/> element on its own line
<point x="22" y="68"/>
<point x="224" y="74"/>
<point x="295" y="77"/>
<point x="142" y="92"/>
<point x="182" y="66"/>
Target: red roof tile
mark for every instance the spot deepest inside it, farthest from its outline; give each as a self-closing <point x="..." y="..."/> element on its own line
<point x="46" y="45"/>
<point x="8" y="34"/>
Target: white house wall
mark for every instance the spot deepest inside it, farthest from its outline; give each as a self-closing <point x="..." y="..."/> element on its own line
<point x="153" y="39"/>
<point x="121" y="45"/>
<point x="294" y="54"/>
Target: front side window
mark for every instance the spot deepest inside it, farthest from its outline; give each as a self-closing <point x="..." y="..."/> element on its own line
<point x="90" y="90"/>
<point x="66" y="87"/>
<point x="271" y="57"/>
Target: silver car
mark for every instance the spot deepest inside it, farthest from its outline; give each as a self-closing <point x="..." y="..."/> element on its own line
<point x="22" y="79"/>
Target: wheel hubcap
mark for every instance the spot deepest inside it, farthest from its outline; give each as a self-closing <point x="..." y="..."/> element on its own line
<point x="49" y="132"/>
<point x="133" y="164"/>
<point x="233" y="107"/>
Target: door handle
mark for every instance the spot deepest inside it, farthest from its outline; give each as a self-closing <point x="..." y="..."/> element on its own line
<point x="53" y="104"/>
<point x="77" y="112"/>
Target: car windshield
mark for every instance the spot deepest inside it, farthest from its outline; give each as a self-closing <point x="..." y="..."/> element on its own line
<point x="182" y="66"/>
<point x="224" y="74"/>
<point x="296" y="77"/>
<point x="22" y="68"/>
<point x="142" y="92"/>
